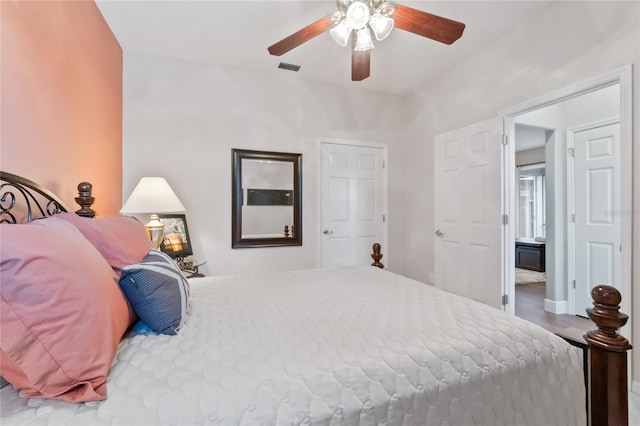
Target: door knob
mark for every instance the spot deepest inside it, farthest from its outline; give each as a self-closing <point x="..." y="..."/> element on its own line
<point x="439" y="233"/>
<point x="327" y="232"/>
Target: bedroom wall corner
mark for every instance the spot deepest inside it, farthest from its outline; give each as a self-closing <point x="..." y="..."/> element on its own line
<point x="61" y="98"/>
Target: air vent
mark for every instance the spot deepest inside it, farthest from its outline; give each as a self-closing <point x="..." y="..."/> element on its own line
<point x="288" y="67"/>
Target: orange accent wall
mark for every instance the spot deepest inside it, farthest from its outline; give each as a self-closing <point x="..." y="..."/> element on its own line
<point x="61" y="99"/>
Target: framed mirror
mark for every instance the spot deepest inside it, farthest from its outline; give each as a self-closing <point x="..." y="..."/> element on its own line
<point x="266" y="199"/>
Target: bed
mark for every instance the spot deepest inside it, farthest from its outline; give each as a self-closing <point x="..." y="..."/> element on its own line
<point x="348" y="346"/>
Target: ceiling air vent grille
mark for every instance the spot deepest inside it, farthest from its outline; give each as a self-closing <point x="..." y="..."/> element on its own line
<point x="288" y="67"/>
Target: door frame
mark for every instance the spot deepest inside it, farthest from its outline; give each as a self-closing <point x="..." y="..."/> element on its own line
<point x="624" y="77"/>
<point x="385" y="197"/>
<point x="570" y="224"/>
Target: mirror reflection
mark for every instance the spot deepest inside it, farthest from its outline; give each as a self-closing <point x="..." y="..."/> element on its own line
<point x="266" y="199"/>
<point x="267" y="193"/>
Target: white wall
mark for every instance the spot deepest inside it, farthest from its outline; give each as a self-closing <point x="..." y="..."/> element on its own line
<point x="528" y="138"/>
<point x="182" y="119"/>
<point x="597" y="106"/>
<point x="556" y="247"/>
<point x="530" y="156"/>
<point x="567" y="42"/>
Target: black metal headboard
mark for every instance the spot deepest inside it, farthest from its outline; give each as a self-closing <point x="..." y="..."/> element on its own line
<point x="22" y="200"/>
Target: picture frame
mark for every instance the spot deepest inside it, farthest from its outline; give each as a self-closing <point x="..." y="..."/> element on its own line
<point x="176" y="241"/>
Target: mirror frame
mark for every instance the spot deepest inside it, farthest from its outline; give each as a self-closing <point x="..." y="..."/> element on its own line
<point x="236" y="198"/>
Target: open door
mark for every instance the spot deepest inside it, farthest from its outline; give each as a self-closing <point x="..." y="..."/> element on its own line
<point x="598" y="244"/>
<point x="468" y="212"/>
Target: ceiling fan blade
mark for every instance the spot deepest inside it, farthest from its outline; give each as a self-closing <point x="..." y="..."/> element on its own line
<point x="299" y="37"/>
<point x="427" y="25"/>
<point x="360" y="63"/>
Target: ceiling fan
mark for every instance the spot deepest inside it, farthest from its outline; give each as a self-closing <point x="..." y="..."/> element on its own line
<point x="363" y="17"/>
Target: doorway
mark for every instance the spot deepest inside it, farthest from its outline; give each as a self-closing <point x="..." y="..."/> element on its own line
<point x="560" y="296"/>
<point x="353" y="202"/>
<point x="531" y="185"/>
<point x="530" y="272"/>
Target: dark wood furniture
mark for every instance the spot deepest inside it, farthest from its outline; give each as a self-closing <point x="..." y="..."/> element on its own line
<point x="22" y="200"/>
<point x="609" y="398"/>
<point x="377" y="256"/>
<point x="606" y="378"/>
<point x="530" y="254"/>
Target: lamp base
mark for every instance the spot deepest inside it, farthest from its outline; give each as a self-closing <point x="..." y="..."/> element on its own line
<point x="155" y="230"/>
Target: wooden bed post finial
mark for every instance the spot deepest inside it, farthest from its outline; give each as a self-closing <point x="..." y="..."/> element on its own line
<point x="608" y="359"/>
<point x="376" y="256"/>
<point x="85" y="200"/>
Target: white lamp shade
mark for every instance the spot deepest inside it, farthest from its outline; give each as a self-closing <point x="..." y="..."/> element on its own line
<point x="341" y="32"/>
<point x="381" y="26"/>
<point x="363" y="42"/>
<point x="152" y="195"/>
<point x="358" y="15"/>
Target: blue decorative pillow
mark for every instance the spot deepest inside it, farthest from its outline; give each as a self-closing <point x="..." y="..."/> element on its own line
<point x="157" y="291"/>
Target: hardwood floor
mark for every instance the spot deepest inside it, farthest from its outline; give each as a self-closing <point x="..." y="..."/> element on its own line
<point x="530" y="306"/>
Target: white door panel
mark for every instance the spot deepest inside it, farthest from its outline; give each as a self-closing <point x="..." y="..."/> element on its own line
<point x="468" y="190"/>
<point x="597" y="207"/>
<point x="352" y="203"/>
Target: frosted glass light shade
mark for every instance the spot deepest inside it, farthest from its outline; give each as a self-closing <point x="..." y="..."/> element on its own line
<point x="358" y="15"/>
<point x="364" y="41"/>
<point x="152" y="195"/>
<point x="341" y="33"/>
<point x="381" y="26"/>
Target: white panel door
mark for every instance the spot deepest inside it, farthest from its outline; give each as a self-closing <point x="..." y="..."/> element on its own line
<point x="597" y="211"/>
<point x="352" y="203"/>
<point x="467" y="212"/>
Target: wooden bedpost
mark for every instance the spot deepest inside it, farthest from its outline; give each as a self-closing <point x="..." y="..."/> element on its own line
<point x="85" y="200"/>
<point x="376" y="256"/>
<point x="607" y="359"/>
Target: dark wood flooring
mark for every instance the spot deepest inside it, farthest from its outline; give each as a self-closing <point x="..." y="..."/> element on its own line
<point x="530" y="306"/>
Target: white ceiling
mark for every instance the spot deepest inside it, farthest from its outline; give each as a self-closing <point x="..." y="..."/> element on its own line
<point x="237" y="33"/>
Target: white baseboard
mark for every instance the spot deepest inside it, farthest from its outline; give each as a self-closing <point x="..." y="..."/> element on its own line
<point x="634" y="403"/>
<point x="556" y="306"/>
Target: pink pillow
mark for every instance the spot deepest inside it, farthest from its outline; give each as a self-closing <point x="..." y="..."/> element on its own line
<point x="122" y="240"/>
<point x="62" y="312"/>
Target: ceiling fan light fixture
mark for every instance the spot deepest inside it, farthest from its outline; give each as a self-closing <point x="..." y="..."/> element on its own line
<point x="358" y="15"/>
<point x="365" y="16"/>
<point x="341" y="33"/>
<point x="386" y="9"/>
<point x="337" y="17"/>
<point x="381" y="25"/>
<point x="343" y="5"/>
<point x="363" y="42"/>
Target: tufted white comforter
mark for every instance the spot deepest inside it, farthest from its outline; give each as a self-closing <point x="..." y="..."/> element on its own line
<point x="354" y="346"/>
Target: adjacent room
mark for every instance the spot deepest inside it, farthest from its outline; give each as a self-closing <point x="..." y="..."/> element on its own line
<point x="327" y="212"/>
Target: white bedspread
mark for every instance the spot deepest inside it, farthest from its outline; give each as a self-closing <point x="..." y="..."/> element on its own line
<point x="356" y="346"/>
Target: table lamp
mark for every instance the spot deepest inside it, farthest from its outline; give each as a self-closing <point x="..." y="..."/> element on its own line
<point x="153" y="195"/>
